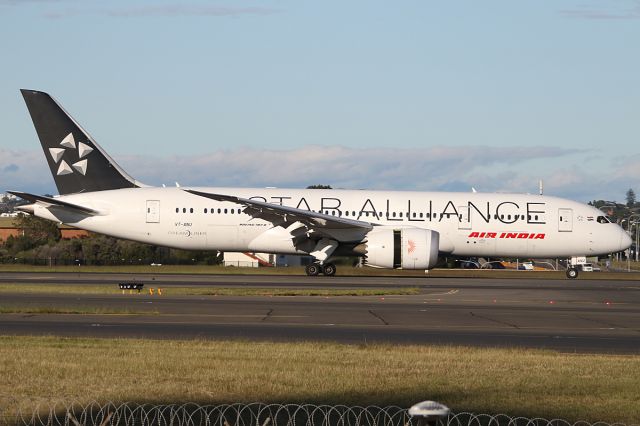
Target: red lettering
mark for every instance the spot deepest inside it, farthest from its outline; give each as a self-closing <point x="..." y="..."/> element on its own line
<point x="482" y="235"/>
<point x="473" y="235"/>
<point x="511" y="235"/>
<point x="502" y="235"/>
<point x="491" y="234"/>
<point x="523" y="235"/>
<point x="540" y="237"/>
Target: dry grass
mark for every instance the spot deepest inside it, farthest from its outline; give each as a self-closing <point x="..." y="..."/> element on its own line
<point x="203" y="290"/>
<point x="72" y="310"/>
<point x="513" y="381"/>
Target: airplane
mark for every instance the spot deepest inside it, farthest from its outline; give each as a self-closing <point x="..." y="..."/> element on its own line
<point x="388" y="229"/>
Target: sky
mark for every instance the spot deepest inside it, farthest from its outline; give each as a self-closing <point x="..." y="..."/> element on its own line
<point x="405" y="95"/>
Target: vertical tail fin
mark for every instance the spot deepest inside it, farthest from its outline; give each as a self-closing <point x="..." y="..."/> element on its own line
<point x="77" y="162"/>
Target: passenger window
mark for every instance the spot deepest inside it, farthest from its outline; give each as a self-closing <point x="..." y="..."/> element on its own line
<point x="232" y="211"/>
<point x="205" y="210"/>
<point x="184" y="210"/>
<point x="219" y="211"/>
<point x="225" y="211"/>
<point x="177" y="210"/>
<point x="191" y="210"/>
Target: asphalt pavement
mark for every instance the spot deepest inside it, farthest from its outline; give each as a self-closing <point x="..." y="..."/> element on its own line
<point x="581" y="316"/>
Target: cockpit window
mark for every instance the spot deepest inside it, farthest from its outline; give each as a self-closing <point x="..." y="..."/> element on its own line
<point x="603" y="219"/>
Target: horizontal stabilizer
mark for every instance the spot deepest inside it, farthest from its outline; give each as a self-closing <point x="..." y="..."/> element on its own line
<point x="53" y="202"/>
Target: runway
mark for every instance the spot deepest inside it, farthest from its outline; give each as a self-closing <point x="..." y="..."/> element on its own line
<point x="582" y="316"/>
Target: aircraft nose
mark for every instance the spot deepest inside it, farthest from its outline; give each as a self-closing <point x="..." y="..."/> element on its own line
<point x="625" y="240"/>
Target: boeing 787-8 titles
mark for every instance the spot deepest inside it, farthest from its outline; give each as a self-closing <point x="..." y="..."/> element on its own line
<point x="389" y="229"/>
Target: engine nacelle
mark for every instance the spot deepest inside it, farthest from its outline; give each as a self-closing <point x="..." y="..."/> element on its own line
<point x="406" y="248"/>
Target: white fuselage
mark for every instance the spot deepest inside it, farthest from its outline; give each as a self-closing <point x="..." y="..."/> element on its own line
<point x="469" y="224"/>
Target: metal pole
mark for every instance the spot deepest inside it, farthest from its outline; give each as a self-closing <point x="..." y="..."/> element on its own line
<point x="636" y="241"/>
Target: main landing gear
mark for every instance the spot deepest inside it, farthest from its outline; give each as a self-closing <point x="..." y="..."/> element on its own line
<point x="313" y="269"/>
<point x="572" y="273"/>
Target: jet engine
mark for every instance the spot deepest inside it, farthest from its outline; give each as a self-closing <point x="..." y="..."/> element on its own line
<point x="406" y="248"/>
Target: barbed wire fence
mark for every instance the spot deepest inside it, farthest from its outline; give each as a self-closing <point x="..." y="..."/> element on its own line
<point x="255" y="414"/>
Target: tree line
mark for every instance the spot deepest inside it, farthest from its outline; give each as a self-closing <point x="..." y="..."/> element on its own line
<point x="615" y="211"/>
<point x="41" y="242"/>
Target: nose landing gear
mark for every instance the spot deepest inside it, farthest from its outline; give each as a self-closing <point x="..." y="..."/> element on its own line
<point x="572" y="273"/>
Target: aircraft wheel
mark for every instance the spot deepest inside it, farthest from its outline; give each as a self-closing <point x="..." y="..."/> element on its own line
<point x="329" y="269"/>
<point x="312" y="269"/>
<point x="572" y="273"/>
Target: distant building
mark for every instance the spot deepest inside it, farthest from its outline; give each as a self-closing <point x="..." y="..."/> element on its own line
<point x="8" y="227"/>
<point x="250" y="260"/>
<point x="254" y="260"/>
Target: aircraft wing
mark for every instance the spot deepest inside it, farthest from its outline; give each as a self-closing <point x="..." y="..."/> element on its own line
<point x="54" y="202"/>
<point x="280" y="215"/>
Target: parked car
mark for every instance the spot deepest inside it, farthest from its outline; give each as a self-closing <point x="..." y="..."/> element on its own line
<point x="587" y="267"/>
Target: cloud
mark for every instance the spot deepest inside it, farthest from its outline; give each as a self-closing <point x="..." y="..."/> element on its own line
<point x="437" y="168"/>
<point x="168" y="10"/>
<point x="632" y="11"/>
<point x="487" y="168"/>
<point x="24" y="170"/>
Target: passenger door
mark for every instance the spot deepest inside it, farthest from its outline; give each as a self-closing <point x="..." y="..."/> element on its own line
<point x="153" y="211"/>
<point x="464" y="217"/>
<point x="565" y="220"/>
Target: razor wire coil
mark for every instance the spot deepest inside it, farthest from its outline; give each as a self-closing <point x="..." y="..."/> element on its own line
<point x="253" y="414"/>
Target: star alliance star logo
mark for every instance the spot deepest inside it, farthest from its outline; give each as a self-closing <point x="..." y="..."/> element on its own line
<point x="79" y="166"/>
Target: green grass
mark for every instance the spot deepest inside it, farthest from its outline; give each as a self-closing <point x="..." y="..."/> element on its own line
<point x="79" y="310"/>
<point x="512" y="381"/>
<point x="201" y="291"/>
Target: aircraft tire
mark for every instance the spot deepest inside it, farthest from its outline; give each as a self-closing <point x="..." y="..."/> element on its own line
<point x="329" y="269"/>
<point x="312" y="269"/>
<point x="572" y="273"/>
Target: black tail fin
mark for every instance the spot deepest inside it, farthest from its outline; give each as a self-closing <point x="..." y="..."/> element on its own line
<point x="77" y="162"/>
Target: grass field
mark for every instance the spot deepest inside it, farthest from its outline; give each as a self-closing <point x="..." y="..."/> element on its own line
<point x="203" y="290"/>
<point x="342" y="271"/>
<point x="517" y="382"/>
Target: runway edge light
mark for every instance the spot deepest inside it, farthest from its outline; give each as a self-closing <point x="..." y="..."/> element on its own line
<point x="428" y="413"/>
